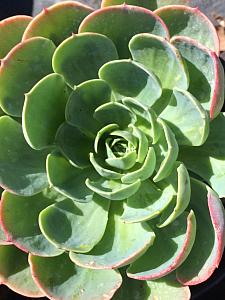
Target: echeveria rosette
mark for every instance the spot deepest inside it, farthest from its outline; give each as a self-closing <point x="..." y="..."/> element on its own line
<point x="104" y="161"/>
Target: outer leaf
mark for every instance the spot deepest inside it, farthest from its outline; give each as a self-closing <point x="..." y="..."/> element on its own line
<point x="152" y="5"/>
<point x="147" y="203"/>
<point x="17" y="276"/>
<point x="208" y="247"/>
<point x="129" y="79"/>
<point x="206" y="71"/>
<point x="132" y="289"/>
<point x="22" y="169"/>
<point x="208" y="160"/>
<point x="11" y="31"/>
<point x="168" y="288"/>
<point x="169" y="153"/>
<point x="43" y="111"/>
<point x="118" y="247"/>
<point x="58" y="21"/>
<point x="59" y="278"/>
<point x="19" y="216"/>
<point x="79" y="48"/>
<point x="83" y="102"/>
<point x="68" y="225"/>
<point x="67" y="179"/>
<point x="121" y="22"/>
<point x="154" y="52"/>
<point x="113" y="189"/>
<point x="191" y="22"/>
<point x="173" y="242"/>
<point x="74" y="144"/>
<point x="24" y="66"/>
<point x="181" y="105"/>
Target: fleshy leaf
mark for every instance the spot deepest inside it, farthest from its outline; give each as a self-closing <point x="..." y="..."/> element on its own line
<point x="19" y="216"/>
<point x="69" y="57"/>
<point x="168" y="288"/>
<point x="24" y="66"/>
<point x="208" y="247"/>
<point x="11" y="32"/>
<point x="58" y="22"/>
<point x="67" y="179"/>
<point x="60" y="278"/>
<point x="144" y="171"/>
<point x="112" y="189"/>
<point x="154" y="52"/>
<point x="121" y="22"/>
<point x="82" y="103"/>
<point x="147" y="203"/>
<point x="207" y="161"/>
<point x="168" y="154"/>
<point x="113" y="112"/>
<point x="191" y="22"/>
<point x="181" y="181"/>
<point x="183" y="110"/>
<point x="68" y="225"/>
<point x="132" y="289"/>
<point x="17" y="276"/>
<point x="74" y="144"/>
<point x="118" y="246"/>
<point x="22" y="169"/>
<point x="149" y="4"/>
<point x="129" y="79"/>
<point x="173" y="242"/>
<point x="206" y="71"/>
<point x="146" y="119"/>
<point x="43" y="111"/>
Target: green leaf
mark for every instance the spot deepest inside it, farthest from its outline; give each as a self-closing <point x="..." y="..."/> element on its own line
<point x="146" y="119"/>
<point x="168" y="288"/>
<point x="154" y="52"/>
<point x="82" y="104"/>
<point x="143" y="171"/>
<point x="67" y="179"/>
<point x="74" y="144"/>
<point x="152" y="5"/>
<point x="101" y="168"/>
<point x="173" y="242"/>
<point x="121" y="22"/>
<point x="114" y="112"/>
<point x="129" y="79"/>
<point x="205" y="71"/>
<point x="118" y="246"/>
<point x="113" y="189"/>
<point x="73" y="226"/>
<point x="132" y="289"/>
<point x="17" y="276"/>
<point x="179" y="179"/>
<point x="166" y="152"/>
<point x="102" y="135"/>
<point x="190" y="22"/>
<point x="69" y="57"/>
<point x="142" y="143"/>
<point x="25" y="65"/>
<point x="208" y="160"/>
<point x="147" y="203"/>
<point x="181" y="105"/>
<point x="123" y="163"/>
<point x="60" y="279"/>
<point x="20" y="220"/>
<point x="11" y="32"/>
<point x="22" y="169"/>
<point x="58" y="21"/>
<point x="43" y="111"/>
<point x="208" y="247"/>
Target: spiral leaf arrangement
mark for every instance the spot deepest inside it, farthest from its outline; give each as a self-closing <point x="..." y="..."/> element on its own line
<point x="112" y="153"/>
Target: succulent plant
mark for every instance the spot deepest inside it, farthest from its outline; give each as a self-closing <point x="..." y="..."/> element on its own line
<point x="112" y="153"/>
